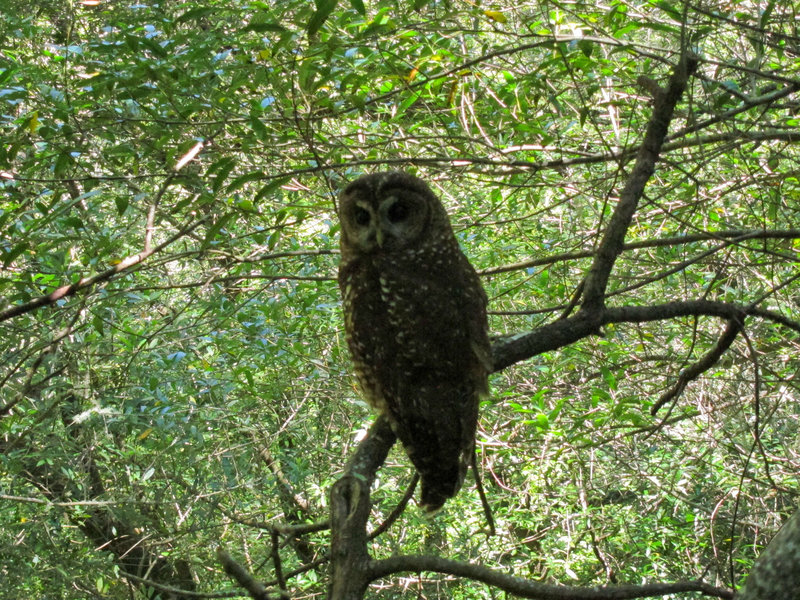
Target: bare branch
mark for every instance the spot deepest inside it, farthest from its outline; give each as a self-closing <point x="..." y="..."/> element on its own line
<point x="87" y="282"/>
<point x="241" y="576"/>
<point x="398" y="510"/>
<point x="151" y="213"/>
<point x="285" y="488"/>
<point x="612" y="243"/>
<point x="748" y="103"/>
<point x="350" y="505"/>
<point x="738" y="235"/>
<point x="733" y="329"/>
<point x="533" y="589"/>
<point x="567" y="331"/>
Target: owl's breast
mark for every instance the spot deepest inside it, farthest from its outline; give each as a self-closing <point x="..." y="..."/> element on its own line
<point x="366" y="330"/>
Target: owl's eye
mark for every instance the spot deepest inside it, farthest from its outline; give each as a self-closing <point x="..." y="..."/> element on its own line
<point x="362" y="216"/>
<point x="398" y="212"/>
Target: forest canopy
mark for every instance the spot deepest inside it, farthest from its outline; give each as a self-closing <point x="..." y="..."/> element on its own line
<point x="177" y="402"/>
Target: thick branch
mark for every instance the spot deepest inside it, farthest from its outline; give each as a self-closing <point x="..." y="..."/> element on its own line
<point x="567" y="331"/>
<point x="532" y="589"/>
<point x="350" y="504"/>
<point x="776" y="574"/>
<point x="612" y="243"/>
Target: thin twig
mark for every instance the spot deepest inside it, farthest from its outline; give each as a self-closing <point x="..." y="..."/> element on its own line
<point x="398" y="510"/>
<point x="87" y="282"/>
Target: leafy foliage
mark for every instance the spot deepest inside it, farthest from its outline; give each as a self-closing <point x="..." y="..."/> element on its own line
<point x="199" y="392"/>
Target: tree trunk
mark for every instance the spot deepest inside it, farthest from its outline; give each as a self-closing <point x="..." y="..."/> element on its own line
<point x="776" y="574"/>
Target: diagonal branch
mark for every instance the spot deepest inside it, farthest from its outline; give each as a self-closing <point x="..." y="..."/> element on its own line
<point x="694" y="371"/>
<point x="614" y="238"/>
<point x="87" y="282"/>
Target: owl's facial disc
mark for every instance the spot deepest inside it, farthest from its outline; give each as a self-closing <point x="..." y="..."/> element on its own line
<point x="363" y="225"/>
<point x="402" y="217"/>
<point x="361" y="216"/>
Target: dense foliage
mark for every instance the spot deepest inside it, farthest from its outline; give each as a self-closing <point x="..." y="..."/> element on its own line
<point x="173" y="371"/>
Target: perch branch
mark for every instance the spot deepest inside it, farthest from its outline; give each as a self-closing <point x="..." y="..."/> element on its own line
<point x="567" y="331"/>
<point x="534" y="589"/>
<point x="350" y="504"/>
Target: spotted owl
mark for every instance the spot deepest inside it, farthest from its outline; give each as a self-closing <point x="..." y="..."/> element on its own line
<point x="415" y="322"/>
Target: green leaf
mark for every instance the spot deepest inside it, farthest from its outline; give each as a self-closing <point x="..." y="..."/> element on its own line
<point x="121" y="203"/>
<point x="215" y="229"/>
<point x="324" y="9"/>
<point x="669" y="8"/>
<point x="358" y="5"/>
<point x="6" y="74"/>
<point x="240" y="181"/>
<point x="767" y="13"/>
<point x="73" y="222"/>
<point x="258" y="127"/>
<point x="63" y="163"/>
<point x="266" y="26"/>
<point x="610" y="379"/>
<point x="195" y="13"/>
<point x="8" y="257"/>
<point x="220" y="169"/>
<point x="406" y="104"/>
<point x="98" y="324"/>
<point x="271" y="187"/>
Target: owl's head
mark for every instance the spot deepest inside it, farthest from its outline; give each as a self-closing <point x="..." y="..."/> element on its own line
<point x="386" y="212"/>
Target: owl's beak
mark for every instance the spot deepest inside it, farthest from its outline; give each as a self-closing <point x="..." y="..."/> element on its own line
<point x="379" y="237"/>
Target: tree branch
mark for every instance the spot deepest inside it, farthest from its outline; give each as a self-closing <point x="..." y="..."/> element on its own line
<point x="350" y="504"/>
<point x="533" y="589"/>
<point x="613" y="240"/>
<point x="727" y="338"/>
<point x="735" y="236"/>
<point x="87" y="282"/>
<point x="398" y="510"/>
<point x="567" y="331"/>
<point x="776" y="574"/>
<point x="242" y="576"/>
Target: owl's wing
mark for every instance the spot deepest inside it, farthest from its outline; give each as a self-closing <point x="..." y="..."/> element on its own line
<point x="477" y="326"/>
<point x="439" y="376"/>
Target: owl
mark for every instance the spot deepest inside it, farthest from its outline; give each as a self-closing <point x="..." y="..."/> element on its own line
<point x="415" y="323"/>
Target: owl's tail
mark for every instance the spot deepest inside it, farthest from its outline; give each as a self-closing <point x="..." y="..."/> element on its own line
<point x="439" y="481"/>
